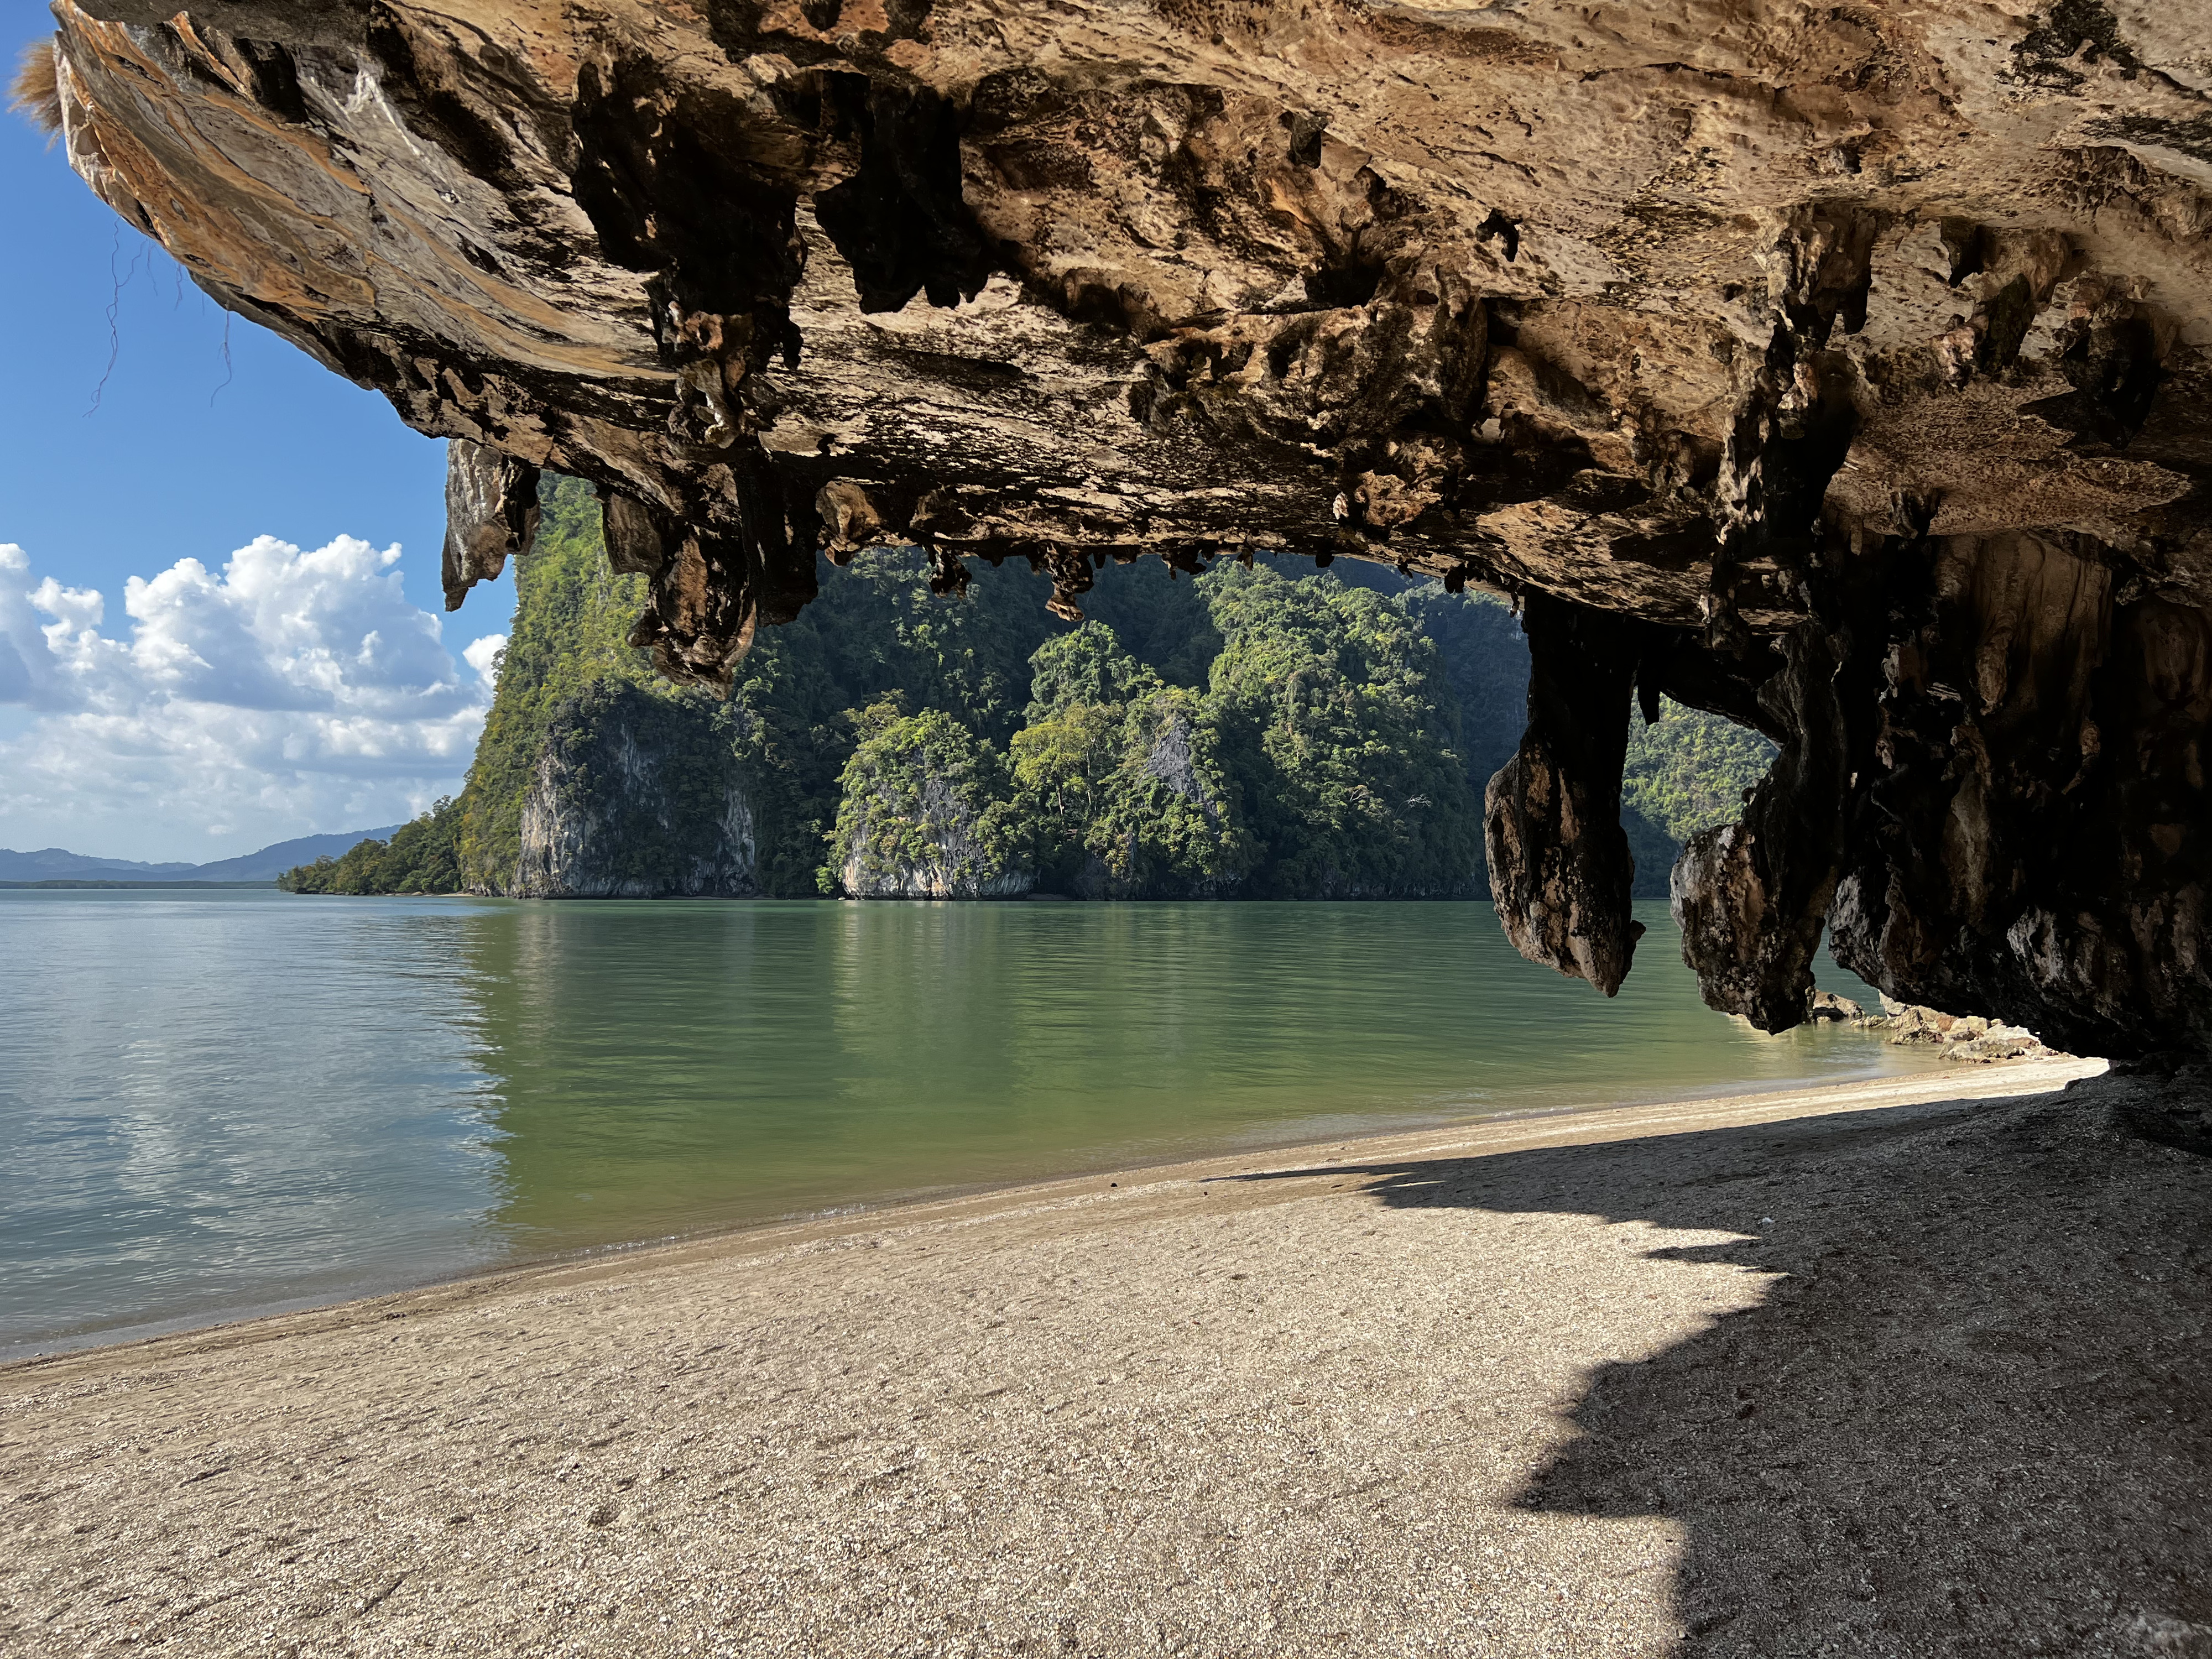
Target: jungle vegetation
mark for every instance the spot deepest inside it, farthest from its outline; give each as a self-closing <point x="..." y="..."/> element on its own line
<point x="1252" y="732"/>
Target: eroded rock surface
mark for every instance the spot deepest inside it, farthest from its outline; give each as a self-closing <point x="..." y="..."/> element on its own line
<point x="1559" y="864"/>
<point x="1750" y="898"/>
<point x="491" y="515"/>
<point x="1851" y="360"/>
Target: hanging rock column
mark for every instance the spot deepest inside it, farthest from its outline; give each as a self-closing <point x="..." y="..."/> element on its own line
<point x="1560" y="869"/>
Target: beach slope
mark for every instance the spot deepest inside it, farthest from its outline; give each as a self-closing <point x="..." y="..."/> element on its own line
<point x="1878" y="1369"/>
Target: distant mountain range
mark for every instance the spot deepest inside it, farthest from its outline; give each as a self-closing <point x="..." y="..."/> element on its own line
<point x="52" y="864"/>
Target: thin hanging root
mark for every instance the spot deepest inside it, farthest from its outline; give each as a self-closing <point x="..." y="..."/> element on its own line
<point x="36" y="92"/>
<point x="229" y="372"/>
<point x="114" y="311"/>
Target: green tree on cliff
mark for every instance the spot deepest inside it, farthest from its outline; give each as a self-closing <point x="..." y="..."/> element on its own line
<point x="422" y="857"/>
<point x="926" y="809"/>
<point x="1119" y="783"/>
<point x="1689" y="772"/>
<point x="1338" y="724"/>
<point x="570" y="631"/>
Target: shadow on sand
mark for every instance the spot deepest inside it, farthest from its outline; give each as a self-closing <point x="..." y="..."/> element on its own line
<point x="1972" y="1414"/>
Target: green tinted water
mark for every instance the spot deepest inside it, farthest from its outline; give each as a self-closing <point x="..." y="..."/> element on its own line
<point x="219" y="1103"/>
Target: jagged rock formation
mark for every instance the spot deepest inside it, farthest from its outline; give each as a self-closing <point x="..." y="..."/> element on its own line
<point x="625" y="804"/>
<point x="1559" y="864"/>
<point x="1849" y="359"/>
<point x="1752" y="896"/>
<point x="1976" y="1041"/>
<point x="491" y="515"/>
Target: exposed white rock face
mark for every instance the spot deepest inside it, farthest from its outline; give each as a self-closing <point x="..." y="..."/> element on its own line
<point x="616" y="811"/>
<point x="1170" y="760"/>
<point x="1848" y="364"/>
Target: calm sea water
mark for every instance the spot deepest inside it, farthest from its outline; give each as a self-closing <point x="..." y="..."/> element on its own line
<point x="215" y="1103"/>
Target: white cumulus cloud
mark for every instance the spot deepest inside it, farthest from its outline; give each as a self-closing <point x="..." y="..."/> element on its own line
<point x="483" y="655"/>
<point x="290" y="692"/>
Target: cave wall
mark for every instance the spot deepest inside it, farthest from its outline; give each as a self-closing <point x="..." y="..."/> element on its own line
<point x="1845" y="365"/>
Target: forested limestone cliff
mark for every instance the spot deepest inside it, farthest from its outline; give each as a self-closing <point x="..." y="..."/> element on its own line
<point x="635" y="796"/>
<point x="927" y="813"/>
<point x="1240" y="734"/>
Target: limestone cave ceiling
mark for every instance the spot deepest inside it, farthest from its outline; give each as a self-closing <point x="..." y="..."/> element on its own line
<point x="1839" y="367"/>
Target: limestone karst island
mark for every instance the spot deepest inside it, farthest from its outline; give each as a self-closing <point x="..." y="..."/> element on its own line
<point x="965" y="828"/>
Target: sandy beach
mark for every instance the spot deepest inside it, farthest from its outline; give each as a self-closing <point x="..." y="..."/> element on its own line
<point x="1881" y="1369"/>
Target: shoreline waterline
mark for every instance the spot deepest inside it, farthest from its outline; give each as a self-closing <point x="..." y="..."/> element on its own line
<point x="219" y="1104"/>
<point x="1506" y="1130"/>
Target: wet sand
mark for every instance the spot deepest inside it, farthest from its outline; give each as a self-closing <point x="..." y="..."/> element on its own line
<point x="1882" y="1368"/>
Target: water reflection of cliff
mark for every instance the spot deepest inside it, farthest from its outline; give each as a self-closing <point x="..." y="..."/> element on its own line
<point x="664" y="1067"/>
<point x="668" y="1067"/>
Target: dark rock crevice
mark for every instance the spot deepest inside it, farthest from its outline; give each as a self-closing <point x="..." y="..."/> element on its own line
<point x="2040" y="845"/>
<point x="1752" y="898"/>
<point x="900" y="220"/>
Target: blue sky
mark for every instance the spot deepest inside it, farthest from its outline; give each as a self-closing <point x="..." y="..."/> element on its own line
<point x="181" y="456"/>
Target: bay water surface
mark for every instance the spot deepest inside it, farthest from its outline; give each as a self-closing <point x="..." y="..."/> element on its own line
<point x="214" y="1103"/>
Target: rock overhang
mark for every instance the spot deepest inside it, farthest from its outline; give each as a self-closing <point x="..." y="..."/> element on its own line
<point x="1840" y="369"/>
